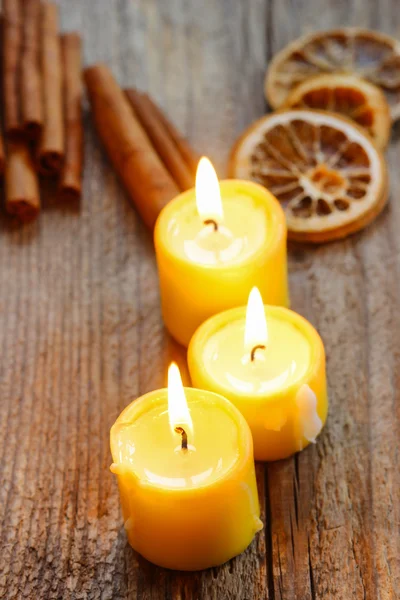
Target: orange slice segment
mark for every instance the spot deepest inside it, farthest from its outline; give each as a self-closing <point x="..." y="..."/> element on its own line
<point x="325" y="170"/>
<point x="367" y="54"/>
<point x="351" y="96"/>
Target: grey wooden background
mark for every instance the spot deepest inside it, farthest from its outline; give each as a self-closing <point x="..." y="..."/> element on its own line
<point x="81" y="335"/>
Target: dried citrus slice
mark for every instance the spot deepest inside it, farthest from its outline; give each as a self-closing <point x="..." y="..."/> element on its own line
<point x="368" y="54"/>
<point x="325" y="170"/>
<point x="351" y="96"/>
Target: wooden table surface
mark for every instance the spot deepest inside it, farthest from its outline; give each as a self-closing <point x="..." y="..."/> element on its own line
<point x="81" y="335"/>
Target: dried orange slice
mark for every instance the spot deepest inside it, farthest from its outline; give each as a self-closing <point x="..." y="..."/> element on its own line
<point x="368" y="54"/>
<point x="351" y="96"/>
<point x="325" y="170"/>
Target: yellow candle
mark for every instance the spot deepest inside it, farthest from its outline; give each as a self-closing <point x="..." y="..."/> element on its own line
<point x="185" y="468"/>
<point x="211" y="253"/>
<point x="270" y="363"/>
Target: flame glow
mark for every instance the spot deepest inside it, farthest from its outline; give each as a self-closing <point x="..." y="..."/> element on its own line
<point x="256" y="331"/>
<point x="178" y="411"/>
<point x="208" y="194"/>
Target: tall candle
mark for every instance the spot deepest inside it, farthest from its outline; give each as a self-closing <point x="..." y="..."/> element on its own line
<point x="270" y="362"/>
<point x="185" y="468"/>
<point x="213" y="244"/>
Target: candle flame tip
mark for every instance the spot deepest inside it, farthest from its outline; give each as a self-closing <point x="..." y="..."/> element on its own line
<point x="208" y="193"/>
<point x="256" y="331"/>
<point x="178" y="410"/>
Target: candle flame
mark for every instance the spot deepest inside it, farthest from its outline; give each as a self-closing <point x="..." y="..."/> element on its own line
<point x="208" y="194"/>
<point x="178" y="410"/>
<point x="256" y="331"/>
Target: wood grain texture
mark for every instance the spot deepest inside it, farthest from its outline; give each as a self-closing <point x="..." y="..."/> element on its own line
<point x="81" y="335"/>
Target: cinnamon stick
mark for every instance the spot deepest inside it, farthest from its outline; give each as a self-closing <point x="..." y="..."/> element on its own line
<point x="161" y="140"/>
<point x="31" y="93"/>
<point x="71" y="179"/>
<point x="189" y="155"/>
<point x="149" y="184"/>
<point x="51" y="147"/>
<point x="21" y="182"/>
<point x="1" y="155"/>
<point x="12" y="45"/>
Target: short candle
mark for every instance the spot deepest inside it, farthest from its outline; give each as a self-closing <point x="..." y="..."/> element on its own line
<point x="185" y="468"/>
<point x="270" y="362"/>
<point x="213" y="244"/>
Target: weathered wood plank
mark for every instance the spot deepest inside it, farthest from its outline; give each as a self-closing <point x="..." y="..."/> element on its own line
<point x="81" y="335"/>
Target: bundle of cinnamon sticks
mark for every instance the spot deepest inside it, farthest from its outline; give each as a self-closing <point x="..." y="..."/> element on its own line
<point x="153" y="160"/>
<point x="42" y="95"/>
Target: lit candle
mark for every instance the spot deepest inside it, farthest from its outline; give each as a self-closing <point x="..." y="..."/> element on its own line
<point x="213" y="244"/>
<point x="270" y="362"/>
<point x="185" y="468"/>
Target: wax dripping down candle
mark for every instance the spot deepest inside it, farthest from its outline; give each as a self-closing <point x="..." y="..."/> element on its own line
<point x="270" y="363"/>
<point x="194" y="504"/>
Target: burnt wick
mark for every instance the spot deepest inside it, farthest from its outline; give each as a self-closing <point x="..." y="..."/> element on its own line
<point x="211" y="222"/>
<point x="253" y="352"/>
<point x="184" y="437"/>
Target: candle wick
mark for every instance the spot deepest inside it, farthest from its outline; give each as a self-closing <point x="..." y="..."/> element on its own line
<point x="184" y="437"/>
<point x="212" y="222"/>
<point x="253" y="352"/>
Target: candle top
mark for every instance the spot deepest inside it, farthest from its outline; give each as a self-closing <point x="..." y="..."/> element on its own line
<point x="282" y="363"/>
<point x="239" y="234"/>
<point x="152" y="450"/>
